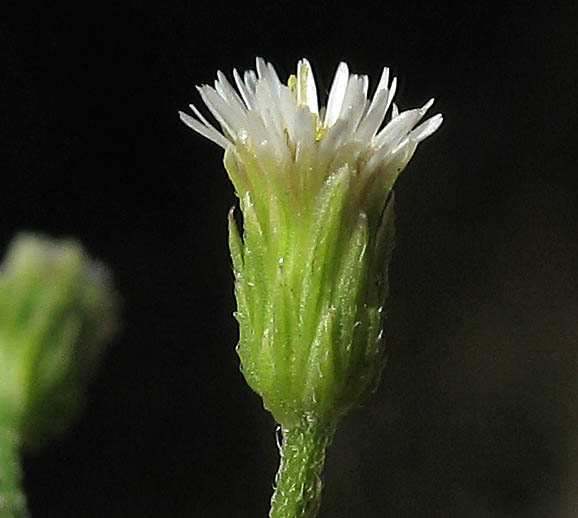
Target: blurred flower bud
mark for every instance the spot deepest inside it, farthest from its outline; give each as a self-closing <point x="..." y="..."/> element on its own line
<point x="58" y="312"/>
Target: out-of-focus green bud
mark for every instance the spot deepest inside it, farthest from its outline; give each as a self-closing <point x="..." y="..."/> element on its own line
<point x="58" y="312"/>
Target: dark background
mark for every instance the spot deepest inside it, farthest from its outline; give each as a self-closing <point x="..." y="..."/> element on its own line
<point x="477" y="413"/>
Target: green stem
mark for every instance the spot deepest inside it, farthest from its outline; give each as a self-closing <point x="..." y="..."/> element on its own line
<point x="12" y="498"/>
<point x="298" y="482"/>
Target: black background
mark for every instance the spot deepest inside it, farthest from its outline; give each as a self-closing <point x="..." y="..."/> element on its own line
<point x="477" y="412"/>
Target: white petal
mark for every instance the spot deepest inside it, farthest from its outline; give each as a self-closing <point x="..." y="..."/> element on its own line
<point x="273" y="73"/>
<point x="353" y="104"/>
<point x="268" y="106"/>
<point x="384" y="89"/>
<point x="243" y="90"/>
<point x="425" y="129"/>
<point x="200" y="115"/>
<point x="400" y="126"/>
<point x="250" y="79"/>
<point x="336" y="94"/>
<point x="215" y="109"/>
<point x="386" y="156"/>
<point x="288" y="110"/>
<point x="391" y="93"/>
<point x="266" y="75"/>
<point x="256" y="127"/>
<point x="271" y="79"/>
<point x="375" y="113"/>
<point x="365" y="82"/>
<point x="374" y="117"/>
<point x="383" y="81"/>
<point x="306" y="88"/>
<point x="427" y="105"/>
<point x="397" y="129"/>
<point x="262" y="70"/>
<point x="227" y="92"/>
<point x="207" y="132"/>
<point x="305" y="128"/>
<point x="334" y="137"/>
<point x="279" y="144"/>
<point x="231" y="120"/>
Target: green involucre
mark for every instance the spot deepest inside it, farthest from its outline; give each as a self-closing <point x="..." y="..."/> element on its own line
<point x="310" y="282"/>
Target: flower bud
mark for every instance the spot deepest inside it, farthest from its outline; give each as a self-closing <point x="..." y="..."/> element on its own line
<point x="57" y="314"/>
<point x="315" y="188"/>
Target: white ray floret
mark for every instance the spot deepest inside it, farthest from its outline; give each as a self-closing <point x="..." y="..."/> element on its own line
<point x="336" y="94"/>
<point x="280" y="119"/>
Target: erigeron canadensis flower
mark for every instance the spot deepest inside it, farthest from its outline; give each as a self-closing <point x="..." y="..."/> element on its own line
<point x="315" y="187"/>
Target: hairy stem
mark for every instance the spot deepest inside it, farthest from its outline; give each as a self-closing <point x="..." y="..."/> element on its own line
<point x="12" y="498"/>
<point x="298" y="482"/>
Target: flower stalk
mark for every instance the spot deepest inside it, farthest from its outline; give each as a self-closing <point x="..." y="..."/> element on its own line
<point x="298" y="482"/>
<point x="12" y="497"/>
<point x="310" y="257"/>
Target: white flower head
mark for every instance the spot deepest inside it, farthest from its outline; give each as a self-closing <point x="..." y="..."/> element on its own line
<point x="284" y="123"/>
<point x="310" y="265"/>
